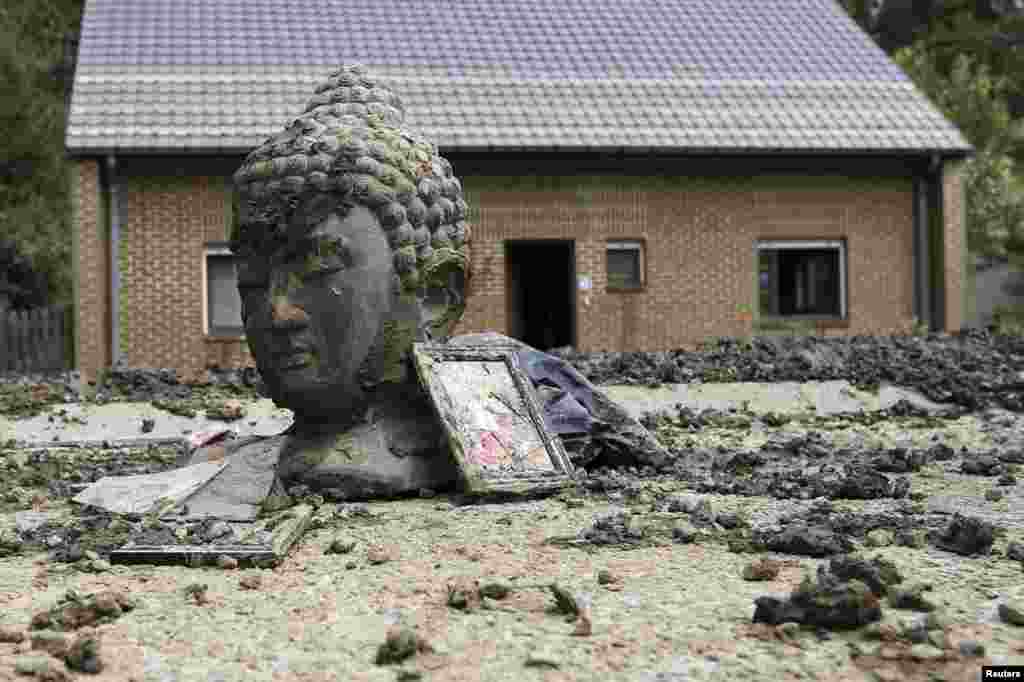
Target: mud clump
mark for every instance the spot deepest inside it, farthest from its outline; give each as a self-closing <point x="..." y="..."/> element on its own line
<point x="826" y="603"/>
<point x="75" y="611"/>
<point x="762" y="569"/>
<point x="616" y="527"/>
<point x="401" y="643"/>
<point x="812" y="541"/>
<point x="878" y="574"/>
<point x="966" y="536"/>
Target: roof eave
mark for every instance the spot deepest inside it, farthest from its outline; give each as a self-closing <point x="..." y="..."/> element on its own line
<point x="945" y="153"/>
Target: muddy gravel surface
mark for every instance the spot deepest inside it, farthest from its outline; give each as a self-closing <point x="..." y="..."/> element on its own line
<point x="973" y="369"/>
<point x="788" y="545"/>
<point x="783" y="547"/>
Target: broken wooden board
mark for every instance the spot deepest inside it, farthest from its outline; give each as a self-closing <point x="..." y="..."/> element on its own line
<point x="494" y="425"/>
<point x="286" y="527"/>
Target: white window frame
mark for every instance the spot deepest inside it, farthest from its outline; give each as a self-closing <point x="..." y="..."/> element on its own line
<point x="808" y="245"/>
<point x="629" y="245"/>
<point x="214" y="250"/>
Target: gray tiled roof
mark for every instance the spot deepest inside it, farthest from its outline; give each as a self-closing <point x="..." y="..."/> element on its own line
<point x="738" y="75"/>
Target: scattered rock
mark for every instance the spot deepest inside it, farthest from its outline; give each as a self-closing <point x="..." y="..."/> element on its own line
<point x="615" y="527"/>
<point x="828" y="603"/>
<point x="993" y="495"/>
<point x="915" y="539"/>
<point x="216" y="531"/>
<point x="606" y="577"/>
<point x="401" y="643"/>
<point x="1011" y="614"/>
<point x="197" y="592"/>
<point x="982" y="465"/>
<point x="543" y="659"/>
<point x="565" y="601"/>
<point x="228" y="563"/>
<point x="74" y="611"/>
<point x="684" y="533"/>
<point x="9" y="544"/>
<point x="148" y="424"/>
<point x="584" y="624"/>
<point x="1015" y="551"/>
<point x="762" y="569"/>
<point x="729" y="520"/>
<point x="682" y="503"/>
<point x="379" y="554"/>
<point x="340" y="545"/>
<point x="463" y="595"/>
<point x="703" y="515"/>
<point x="84" y="655"/>
<point x="971" y="648"/>
<point x="966" y="535"/>
<point x="813" y="541"/>
<point x="878" y="574"/>
<point x="911" y="597"/>
<point x="879" y="537"/>
<point x="495" y="590"/>
<point x="251" y="581"/>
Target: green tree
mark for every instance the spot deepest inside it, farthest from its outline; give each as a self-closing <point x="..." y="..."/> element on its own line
<point x="34" y="207"/>
<point x="975" y="100"/>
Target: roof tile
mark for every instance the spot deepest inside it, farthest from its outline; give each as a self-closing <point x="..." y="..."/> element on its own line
<point x="728" y="74"/>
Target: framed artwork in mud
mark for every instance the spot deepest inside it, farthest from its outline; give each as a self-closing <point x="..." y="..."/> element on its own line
<point x="494" y="425"/>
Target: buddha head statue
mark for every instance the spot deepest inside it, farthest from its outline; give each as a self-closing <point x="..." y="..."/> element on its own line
<point x="351" y="244"/>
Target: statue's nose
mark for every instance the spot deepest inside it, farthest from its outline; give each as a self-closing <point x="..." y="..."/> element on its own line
<point x="286" y="314"/>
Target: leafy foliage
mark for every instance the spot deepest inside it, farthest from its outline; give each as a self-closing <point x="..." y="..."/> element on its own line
<point x="34" y="202"/>
<point x="973" y="98"/>
<point x="968" y="57"/>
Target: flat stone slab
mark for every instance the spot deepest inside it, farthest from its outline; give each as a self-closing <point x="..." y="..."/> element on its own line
<point x="141" y="494"/>
<point x="121" y="422"/>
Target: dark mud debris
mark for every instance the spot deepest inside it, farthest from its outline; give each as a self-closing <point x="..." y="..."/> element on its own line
<point x="877" y="573"/>
<point x="966" y="535"/>
<point x="401" y="643"/>
<point x="812" y="541"/>
<point x="617" y="527"/>
<point x="973" y="369"/>
<point x="827" y="603"/>
<point x="762" y="569"/>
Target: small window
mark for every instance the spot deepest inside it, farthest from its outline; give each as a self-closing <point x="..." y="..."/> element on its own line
<point x="223" y="304"/>
<point x="802" y="279"/>
<point x="625" y="265"/>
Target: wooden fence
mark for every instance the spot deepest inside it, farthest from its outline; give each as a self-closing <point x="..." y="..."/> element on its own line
<point x="38" y="340"/>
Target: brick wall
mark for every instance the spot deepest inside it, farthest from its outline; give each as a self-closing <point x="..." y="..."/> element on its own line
<point x="167" y="222"/>
<point x="700" y="237"/>
<point x="91" y="262"/>
<point x="954" y="244"/>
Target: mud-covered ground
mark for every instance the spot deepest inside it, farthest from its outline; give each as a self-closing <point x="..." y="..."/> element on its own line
<point x="879" y="546"/>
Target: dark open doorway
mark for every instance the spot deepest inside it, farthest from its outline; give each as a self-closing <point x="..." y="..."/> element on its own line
<point x="541" y="292"/>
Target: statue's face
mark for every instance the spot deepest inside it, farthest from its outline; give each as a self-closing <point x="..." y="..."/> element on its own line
<point x="313" y="310"/>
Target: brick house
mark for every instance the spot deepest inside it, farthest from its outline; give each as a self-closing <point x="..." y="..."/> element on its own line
<point x="641" y="175"/>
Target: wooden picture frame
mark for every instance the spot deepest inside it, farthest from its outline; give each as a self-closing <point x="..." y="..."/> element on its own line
<point x="495" y="427"/>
